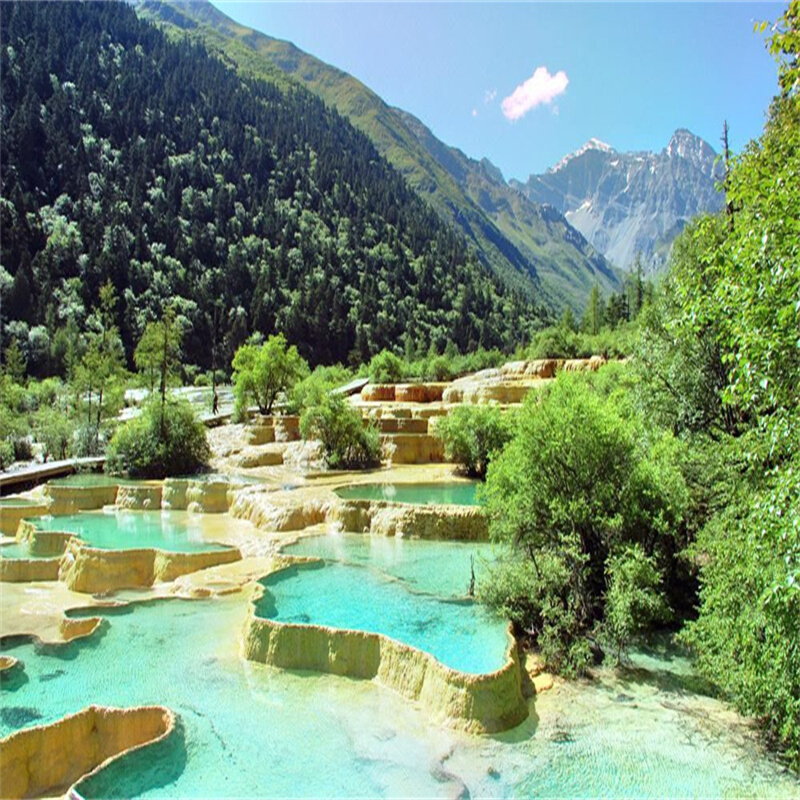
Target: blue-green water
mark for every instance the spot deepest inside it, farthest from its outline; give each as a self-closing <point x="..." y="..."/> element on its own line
<point x="84" y="480"/>
<point x="18" y="501"/>
<point x="460" y="634"/>
<point x="461" y="494"/>
<point x="440" y="568"/>
<point x="173" y="531"/>
<point x="19" y="550"/>
<point x="252" y="731"/>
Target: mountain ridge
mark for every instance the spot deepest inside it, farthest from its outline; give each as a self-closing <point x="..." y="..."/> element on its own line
<point x="632" y="205"/>
<point x="529" y="248"/>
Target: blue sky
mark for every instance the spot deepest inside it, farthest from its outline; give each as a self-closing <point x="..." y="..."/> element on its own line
<point x="626" y="73"/>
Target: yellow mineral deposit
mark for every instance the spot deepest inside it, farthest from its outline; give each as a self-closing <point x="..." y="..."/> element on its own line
<point x="46" y="760"/>
<point x="475" y="703"/>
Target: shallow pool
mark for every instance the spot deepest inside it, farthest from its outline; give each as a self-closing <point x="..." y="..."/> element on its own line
<point x="18" y="501"/>
<point x="461" y="494"/>
<point x="173" y="531"/>
<point x="440" y="568"/>
<point x="19" y="550"/>
<point x="85" y="480"/>
<point x="252" y="731"/>
<point x="462" y="635"/>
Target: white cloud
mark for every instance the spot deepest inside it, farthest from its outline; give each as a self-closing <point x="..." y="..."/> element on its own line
<point x="540" y="88"/>
<point x="474" y="112"/>
<point x="489" y="96"/>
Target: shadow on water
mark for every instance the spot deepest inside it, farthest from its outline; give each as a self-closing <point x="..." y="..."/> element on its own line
<point x="69" y="651"/>
<point x="15" y="717"/>
<point x="14" y="678"/>
<point x="147" y="769"/>
<point x="524" y="731"/>
<point x="665" y="681"/>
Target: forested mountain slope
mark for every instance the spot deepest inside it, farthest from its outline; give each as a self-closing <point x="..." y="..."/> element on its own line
<point x="527" y="245"/>
<point x="132" y="158"/>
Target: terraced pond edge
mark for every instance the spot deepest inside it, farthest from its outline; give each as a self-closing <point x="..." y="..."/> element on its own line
<point x="486" y="703"/>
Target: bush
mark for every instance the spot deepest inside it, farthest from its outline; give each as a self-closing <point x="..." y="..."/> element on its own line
<point x="386" y="367"/>
<point x="746" y="633"/>
<point x="87" y="441"/>
<point x="311" y="390"/>
<point x="634" y="601"/>
<point x="6" y="454"/>
<point x="347" y="442"/>
<point x="576" y="486"/>
<point x="159" y="442"/>
<point x="535" y="596"/>
<point x="473" y="435"/>
<point x="55" y="431"/>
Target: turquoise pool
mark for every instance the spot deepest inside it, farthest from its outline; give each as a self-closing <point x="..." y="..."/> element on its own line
<point x="460" y="634"/>
<point x="173" y="531"/>
<point x="19" y="550"/>
<point x="439" y="568"/>
<point x="250" y="731"/>
<point x="84" y="480"/>
<point x="18" y="501"/>
<point x="461" y="494"/>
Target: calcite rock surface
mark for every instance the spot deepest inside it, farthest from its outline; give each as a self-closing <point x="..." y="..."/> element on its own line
<point x="139" y="497"/>
<point x="378" y="392"/>
<point x="486" y="703"/>
<point x="413" y="448"/>
<point x="10" y="515"/>
<point x="65" y="499"/>
<point x="94" y="571"/>
<point x="384" y="518"/>
<point x="46" y="760"/>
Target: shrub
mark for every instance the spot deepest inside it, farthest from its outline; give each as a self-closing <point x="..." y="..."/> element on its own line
<point x="634" y="600"/>
<point x="312" y="389"/>
<point x="54" y="430"/>
<point x="535" y="596"/>
<point x="577" y="485"/>
<point x="161" y="441"/>
<point x="386" y="367"/>
<point x="473" y="435"/>
<point x="6" y="454"/>
<point x="347" y="442"/>
<point x="87" y="441"/>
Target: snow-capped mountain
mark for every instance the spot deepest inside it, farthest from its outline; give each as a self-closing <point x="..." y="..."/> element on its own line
<point x="629" y="203"/>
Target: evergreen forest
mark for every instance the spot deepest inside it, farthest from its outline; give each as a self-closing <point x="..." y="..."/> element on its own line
<point x="148" y="164"/>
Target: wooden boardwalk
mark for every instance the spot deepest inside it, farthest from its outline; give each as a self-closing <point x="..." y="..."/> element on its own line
<point x="27" y="477"/>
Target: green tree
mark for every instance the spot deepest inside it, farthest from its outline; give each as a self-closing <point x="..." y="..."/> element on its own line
<point x="262" y="372"/>
<point x="159" y="350"/>
<point x="594" y="316"/>
<point x="741" y="288"/>
<point x="14" y="362"/>
<point x="99" y="377"/>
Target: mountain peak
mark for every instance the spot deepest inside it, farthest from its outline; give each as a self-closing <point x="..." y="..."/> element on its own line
<point x="626" y="203"/>
<point x="592" y="144"/>
<point x="685" y="144"/>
